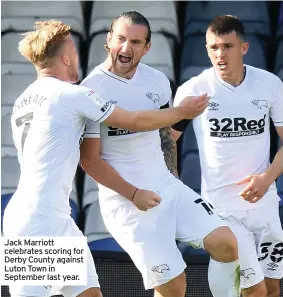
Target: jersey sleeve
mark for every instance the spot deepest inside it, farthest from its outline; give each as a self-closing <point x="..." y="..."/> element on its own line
<point x="276" y="110"/>
<point x="166" y="93"/>
<point x="92" y="129"/>
<point x="87" y="103"/>
<point x="182" y="92"/>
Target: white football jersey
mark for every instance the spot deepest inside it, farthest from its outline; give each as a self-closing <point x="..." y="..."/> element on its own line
<point x="233" y="132"/>
<point x="136" y="156"/>
<point x="48" y="121"/>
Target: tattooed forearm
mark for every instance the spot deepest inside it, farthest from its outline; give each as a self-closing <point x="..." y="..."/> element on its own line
<point x="169" y="148"/>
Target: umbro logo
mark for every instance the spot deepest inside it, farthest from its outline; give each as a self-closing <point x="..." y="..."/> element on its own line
<point x="213" y="106"/>
<point x="153" y="97"/>
<point x="272" y="266"/>
<point x="260" y="103"/>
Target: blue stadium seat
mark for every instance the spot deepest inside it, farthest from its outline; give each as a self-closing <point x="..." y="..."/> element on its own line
<point x="191" y="171"/>
<point x="189" y="141"/>
<point x="106" y="244"/>
<point x="4" y="202"/>
<point x="256" y="56"/>
<point x="190" y="163"/>
<point x="254" y="15"/>
<point x="280" y="22"/>
<point x="279" y="184"/>
<point x="194" y="58"/>
<point x="194" y="52"/>
<point x="279" y="61"/>
<point x="74" y="202"/>
<point x="74" y="211"/>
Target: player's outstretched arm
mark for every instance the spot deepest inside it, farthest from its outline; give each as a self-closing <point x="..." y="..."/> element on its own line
<point x="148" y="120"/>
<point x="106" y="175"/>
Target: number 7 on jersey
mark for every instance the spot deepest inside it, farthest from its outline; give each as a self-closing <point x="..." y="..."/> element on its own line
<point x="26" y="119"/>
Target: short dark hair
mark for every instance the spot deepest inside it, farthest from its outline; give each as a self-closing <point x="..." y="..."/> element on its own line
<point x="226" y="24"/>
<point x="136" y="18"/>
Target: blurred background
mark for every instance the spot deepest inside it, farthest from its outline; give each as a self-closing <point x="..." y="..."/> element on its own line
<point x="178" y="50"/>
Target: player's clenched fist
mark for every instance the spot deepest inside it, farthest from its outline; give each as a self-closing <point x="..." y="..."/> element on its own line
<point x="194" y="105"/>
<point x="144" y="199"/>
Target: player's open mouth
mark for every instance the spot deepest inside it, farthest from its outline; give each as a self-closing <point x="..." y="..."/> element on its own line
<point x="124" y="59"/>
<point x="222" y="65"/>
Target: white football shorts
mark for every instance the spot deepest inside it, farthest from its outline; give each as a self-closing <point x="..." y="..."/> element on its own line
<point x="38" y="225"/>
<point x="149" y="237"/>
<point x="260" y="242"/>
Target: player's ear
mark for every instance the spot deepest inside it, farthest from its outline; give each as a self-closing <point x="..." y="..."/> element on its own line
<point x="66" y="59"/>
<point x="108" y="39"/>
<point x="146" y="48"/>
<point x="245" y="48"/>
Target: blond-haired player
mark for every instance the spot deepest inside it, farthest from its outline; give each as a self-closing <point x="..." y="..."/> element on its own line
<point x="48" y="121"/>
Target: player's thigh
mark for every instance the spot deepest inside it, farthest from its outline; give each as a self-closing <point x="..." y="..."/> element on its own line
<point x="269" y="237"/>
<point x="149" y="239"/>
<point x="92" y="278"/>
<point x="195" y="218"/>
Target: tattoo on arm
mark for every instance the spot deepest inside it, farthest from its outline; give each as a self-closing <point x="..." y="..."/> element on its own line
<point x="169" y="148"/>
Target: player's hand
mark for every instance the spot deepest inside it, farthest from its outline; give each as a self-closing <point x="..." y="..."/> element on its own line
<point x="145" y="199"/>
<point x="257" y="186"/>
<point x="192" y="106"/>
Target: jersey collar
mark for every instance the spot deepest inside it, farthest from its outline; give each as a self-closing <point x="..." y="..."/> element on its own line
<point x="231" y="87"/>
<point x="117" y="77"/>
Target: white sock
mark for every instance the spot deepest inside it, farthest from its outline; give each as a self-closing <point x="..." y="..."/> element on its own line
<point x="224" y="278"/>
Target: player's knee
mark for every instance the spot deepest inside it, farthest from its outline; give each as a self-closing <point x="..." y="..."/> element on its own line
<point x="222" y="245"/>
<point x="91" y="292"/>
<point x="176" y="287"/>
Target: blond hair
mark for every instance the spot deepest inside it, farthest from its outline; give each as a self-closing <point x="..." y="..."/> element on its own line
<point x="41" y="45"/>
